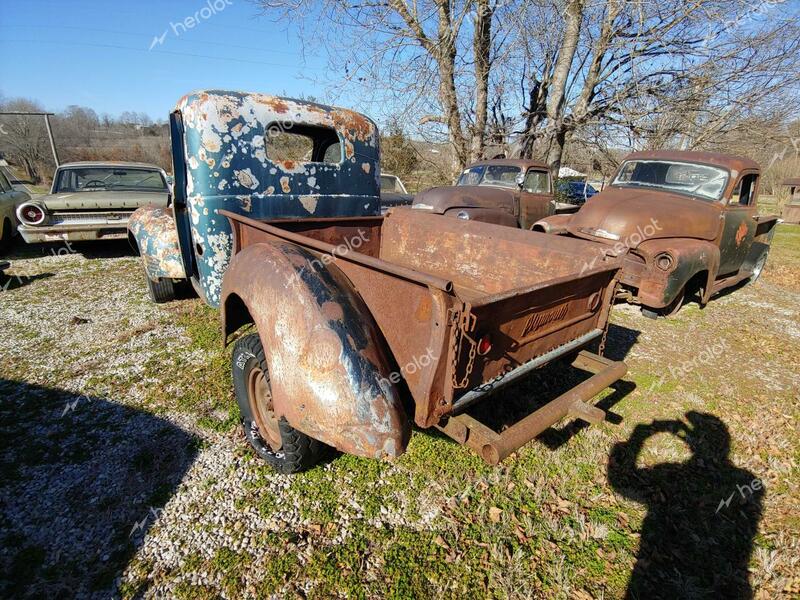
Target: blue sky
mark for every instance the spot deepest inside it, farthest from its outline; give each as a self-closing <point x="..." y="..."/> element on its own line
<point x="97" y="53"/>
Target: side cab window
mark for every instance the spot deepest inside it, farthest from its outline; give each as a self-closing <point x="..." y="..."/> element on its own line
<point x="745" y="190"/>
<point x="537" y="182"/>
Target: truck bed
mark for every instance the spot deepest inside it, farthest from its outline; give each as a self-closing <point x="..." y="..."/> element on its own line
<point x="438" y="286"/>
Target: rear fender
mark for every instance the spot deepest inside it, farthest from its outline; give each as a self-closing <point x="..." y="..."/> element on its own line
<point x="658" y="288"/>
<point x="153" y="230"/>
<point x="328" y="367"/>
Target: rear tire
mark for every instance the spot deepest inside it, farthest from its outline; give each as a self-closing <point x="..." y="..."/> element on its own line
<point x="286" y="449"/>
<point x="160" y="291"/>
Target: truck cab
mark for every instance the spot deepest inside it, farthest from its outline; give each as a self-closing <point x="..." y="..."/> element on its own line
<point x="260" y="156"/>
<point x="685" y="222"/>
<point x="511" y="192"/>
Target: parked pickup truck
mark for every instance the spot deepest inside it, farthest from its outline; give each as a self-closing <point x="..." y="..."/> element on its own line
<point x="393" y="193"/>
<point x="685" y="222"/>
<point x="509" y="192"/>
<point x="257" y="155"/>
<point x="92" y="201"/>
<point x="365" y="324"/>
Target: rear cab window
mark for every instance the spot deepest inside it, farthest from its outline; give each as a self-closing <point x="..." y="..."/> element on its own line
<point x="745" y="190"/>
<point x="304" y="144"/>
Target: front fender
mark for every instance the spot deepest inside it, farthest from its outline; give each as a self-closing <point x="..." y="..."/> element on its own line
<point x="658" y="288"/>
<point x="556" y="224"/>
<point x="328" y="368"/>
<point x="153" y="230"/>
<point x="484" y="215"/>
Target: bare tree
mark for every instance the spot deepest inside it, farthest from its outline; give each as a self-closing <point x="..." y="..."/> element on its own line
<point x="24" y="137"/>
<point x="667" y="72"/>
<point x="431" y="58"/>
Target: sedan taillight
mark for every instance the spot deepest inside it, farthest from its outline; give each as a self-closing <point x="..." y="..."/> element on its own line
<point x="31" y="214"/>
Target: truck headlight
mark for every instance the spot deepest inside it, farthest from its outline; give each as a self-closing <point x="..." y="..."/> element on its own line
<point x="462" y="214"/>
<point x="31" y="214"/>
<point x="664" y="261"/>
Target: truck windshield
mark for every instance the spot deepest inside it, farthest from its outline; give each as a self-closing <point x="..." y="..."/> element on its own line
<point x="500" y="175"/>
<point x="93" y="179"/>
<point x="702" y="181"/>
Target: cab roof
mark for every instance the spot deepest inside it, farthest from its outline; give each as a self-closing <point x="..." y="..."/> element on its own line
<point x="726" y="161"/>
<point x="108" y="163"/>
<point x="522" y="163"/>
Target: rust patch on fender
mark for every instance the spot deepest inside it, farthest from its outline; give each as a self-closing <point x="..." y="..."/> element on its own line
<point x="332" y="311"/>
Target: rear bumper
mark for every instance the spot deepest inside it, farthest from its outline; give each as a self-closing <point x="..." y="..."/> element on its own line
<point x="77" y="227"/>
<point x="494" y="447"/>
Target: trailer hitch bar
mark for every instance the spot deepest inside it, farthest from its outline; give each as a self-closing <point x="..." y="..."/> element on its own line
<point x="494" y="447"/>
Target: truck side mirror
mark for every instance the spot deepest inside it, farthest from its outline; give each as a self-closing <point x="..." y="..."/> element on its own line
<point x="520" y="179"/>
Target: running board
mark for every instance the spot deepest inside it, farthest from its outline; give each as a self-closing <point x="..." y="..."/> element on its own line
<point x="494" y="447"/>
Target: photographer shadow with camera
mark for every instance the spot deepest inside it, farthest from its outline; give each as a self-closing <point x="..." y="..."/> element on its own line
<point x="702" y="514"/>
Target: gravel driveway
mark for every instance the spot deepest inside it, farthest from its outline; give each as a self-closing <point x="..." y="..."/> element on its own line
<point x="124" y="472"/>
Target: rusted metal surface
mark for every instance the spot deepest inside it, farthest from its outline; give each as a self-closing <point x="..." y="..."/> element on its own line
<point x="672" y="240"/>
<point x="153" y="230"/>
<point x="329" y="374"/>
<point x="424" y="310"/>
<point x="522" y="432"/>
<point x="510" y="206"/>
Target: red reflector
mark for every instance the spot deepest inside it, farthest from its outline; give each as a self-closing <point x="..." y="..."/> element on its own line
<point x="485" y="345"/>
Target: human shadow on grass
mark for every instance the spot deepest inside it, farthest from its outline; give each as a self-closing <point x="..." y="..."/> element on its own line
<point x="702" y="514"/>
<point x="82" y="480"/>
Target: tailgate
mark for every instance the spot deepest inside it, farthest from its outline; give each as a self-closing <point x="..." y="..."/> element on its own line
<point x="494" y="335"/>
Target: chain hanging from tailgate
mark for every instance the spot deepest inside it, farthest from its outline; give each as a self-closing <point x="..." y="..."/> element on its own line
<point x="463" y="322"/>
<point x="601" y="348"/>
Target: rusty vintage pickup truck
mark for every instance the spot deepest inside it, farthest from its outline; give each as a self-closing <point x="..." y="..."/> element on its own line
<point x="512" y="192"/>
<point x="685" y="222"/>
<point x="365" y="324"/>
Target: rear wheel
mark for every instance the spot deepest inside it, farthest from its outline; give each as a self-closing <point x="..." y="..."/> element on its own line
<point x="285" y="448"/>
<point x="160" y="291"/>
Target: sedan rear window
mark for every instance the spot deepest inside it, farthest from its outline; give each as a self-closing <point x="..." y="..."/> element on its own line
<point x="98" y="179"/>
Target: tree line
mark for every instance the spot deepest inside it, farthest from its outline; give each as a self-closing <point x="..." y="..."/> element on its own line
<point x="80" y="134"/>
<point x="530" y="78"/>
